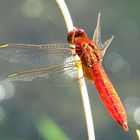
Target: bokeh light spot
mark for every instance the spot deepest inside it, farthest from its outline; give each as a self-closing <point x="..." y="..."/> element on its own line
<point x="114" y="62"/>
<point x="2" y="93"/>
<point x="33" y="8"/>
<point x="131" y="104"/>
<point x="7" y="90"/>
<point x="137" y="115"/>
<point x="117" y="65"/>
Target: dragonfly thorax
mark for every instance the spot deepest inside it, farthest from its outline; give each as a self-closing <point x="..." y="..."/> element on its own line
<point x="88" y="51"/>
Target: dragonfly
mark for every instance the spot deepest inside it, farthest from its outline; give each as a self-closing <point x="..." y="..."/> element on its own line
<point x="57" y="60"/>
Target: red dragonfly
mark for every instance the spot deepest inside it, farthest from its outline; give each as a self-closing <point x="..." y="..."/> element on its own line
<point x="52" y="60"/>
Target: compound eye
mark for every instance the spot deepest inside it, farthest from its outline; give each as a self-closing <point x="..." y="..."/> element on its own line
<point x="75" y="33"/>
<point x="81" y="33"/>
<point x="71" y="36"/>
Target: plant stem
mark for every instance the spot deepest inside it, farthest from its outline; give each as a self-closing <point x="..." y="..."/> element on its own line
<point x="83" y="89"/>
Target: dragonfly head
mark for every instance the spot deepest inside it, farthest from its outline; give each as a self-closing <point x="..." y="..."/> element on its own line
<point x="75" y="33"/>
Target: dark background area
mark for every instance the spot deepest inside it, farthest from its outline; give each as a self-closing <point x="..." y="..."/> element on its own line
<point x="40" y="22"/>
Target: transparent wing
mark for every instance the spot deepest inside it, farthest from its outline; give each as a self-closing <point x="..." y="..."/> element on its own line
<point x="97" y="37"/>
<point x="97" y="33"/>
<point x="66" y="72"/>
<point x="53" y="62"/>
<point x="36" y="55"/>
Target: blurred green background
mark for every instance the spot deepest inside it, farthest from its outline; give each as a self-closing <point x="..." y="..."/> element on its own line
<point x="41" y="110"/>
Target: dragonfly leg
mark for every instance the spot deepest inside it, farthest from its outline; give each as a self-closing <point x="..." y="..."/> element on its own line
<point x="80" y="78"/>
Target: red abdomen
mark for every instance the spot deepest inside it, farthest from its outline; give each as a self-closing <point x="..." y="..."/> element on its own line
<point x="109" y="95"/>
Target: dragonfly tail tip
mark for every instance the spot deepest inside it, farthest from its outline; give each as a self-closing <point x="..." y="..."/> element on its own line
<point x="125" y="126"/>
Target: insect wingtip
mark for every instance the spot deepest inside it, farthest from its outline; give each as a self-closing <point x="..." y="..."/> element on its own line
<point x="4" y="45"/>
<point x="12" y="74"/>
